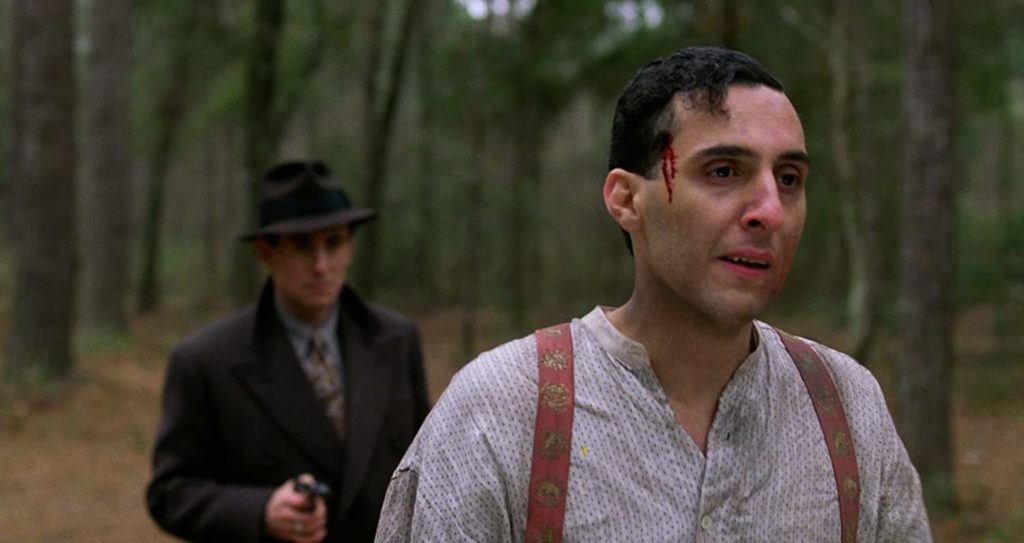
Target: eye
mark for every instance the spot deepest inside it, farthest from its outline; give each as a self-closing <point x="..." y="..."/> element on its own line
<point x="790" y="179"/>
<point x="335" y="241"/>
<point x="722" y="172"/>
<point x="302" y="242"/>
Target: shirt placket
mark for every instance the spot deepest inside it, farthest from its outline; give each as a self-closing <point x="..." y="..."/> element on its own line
<point x="722" y="471"/>
<point x="688" y="451"/>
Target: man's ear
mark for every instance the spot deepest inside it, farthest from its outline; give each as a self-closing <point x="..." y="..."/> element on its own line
<point x="620" y="189"/>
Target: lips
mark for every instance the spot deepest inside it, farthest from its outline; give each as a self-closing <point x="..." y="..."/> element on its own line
<point x="747" y="262"/>
<point x="749" y="259"/>
<point x="318" y="287"/>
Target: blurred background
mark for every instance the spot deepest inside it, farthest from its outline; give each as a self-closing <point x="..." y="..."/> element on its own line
<point x="134" y="133"/>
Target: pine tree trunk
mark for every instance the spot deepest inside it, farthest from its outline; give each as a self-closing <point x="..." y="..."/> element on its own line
<point x="469" y="282"/>
<point x="262" y="132"/>
<point x="869" y="297"/>
<point x="213" y="204"/>
<point x="425" y="245"/>
<point x="854" y="192"/>
<point x="924" y="371"/>
<point x="43" y="192"/>
<point x="170" y="105"/>
<point x="383" y="107"/>
<point x="717" y="22"/>
<point x="524" y="266"/>
<point x="106" y="211"/>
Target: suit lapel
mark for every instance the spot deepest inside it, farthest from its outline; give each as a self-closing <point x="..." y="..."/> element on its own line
<point x="368" y="389"/>
<point x="276" y="380"/>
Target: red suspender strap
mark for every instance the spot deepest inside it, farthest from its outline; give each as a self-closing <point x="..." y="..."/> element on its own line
<point x="834" y="426"/>
<point x="552" y="435"/>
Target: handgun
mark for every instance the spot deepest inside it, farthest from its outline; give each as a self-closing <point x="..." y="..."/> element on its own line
<point x="315" y="488"/>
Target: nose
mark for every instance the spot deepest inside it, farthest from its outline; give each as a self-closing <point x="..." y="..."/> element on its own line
<point x="764" y="210"/>
<point x="319" y="255"/>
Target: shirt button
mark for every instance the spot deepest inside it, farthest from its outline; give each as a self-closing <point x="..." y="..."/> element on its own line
<point x="705" y="523"/>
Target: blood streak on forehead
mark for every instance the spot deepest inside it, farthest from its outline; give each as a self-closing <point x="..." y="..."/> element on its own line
<point x="668" y="168"/>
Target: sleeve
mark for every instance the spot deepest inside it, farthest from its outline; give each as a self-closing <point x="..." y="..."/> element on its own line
<point x="449" y="487"/>
<point x="184" y="496"/>
<point x="901" y="515"/>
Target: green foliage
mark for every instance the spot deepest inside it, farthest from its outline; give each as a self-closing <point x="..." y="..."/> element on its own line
<point x="224" y="94"/>
<point x="192" y="48"/>
<point x="991" y="381"/>
<point x="940" y="494"/>
<point x="96" y="341"/>
<point x="1009" y="531"/>
<point x="1011" y="243"/>
<point x="567" y="60"/>
<point x="988" y="53"/>
<point x="991" y="261"/>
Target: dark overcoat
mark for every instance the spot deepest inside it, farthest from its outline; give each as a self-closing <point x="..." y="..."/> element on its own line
<point x="240" y="418"/>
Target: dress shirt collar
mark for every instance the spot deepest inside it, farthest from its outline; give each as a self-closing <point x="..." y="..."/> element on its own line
<point x="633" y="355"/>
<point x="300" y="332"/>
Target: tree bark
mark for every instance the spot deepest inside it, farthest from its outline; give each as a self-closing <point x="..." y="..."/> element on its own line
<point x="525" y="267"/>
<point x="730" y="23"/>
<point x="262" y="132"/>
<point x="150" y="295"/>
<point x="383" y="106"/>
<point x="845" y="54"/>
<point x="469" y="283"/>
<point x="868" y="299"/>
<point x="43" y="192"/>
<point x="214" y="158"/>
<point x="717" y="21"/>
<point x="425" y="247"/>
<point x="170" y="106"/>
<point x="534" y="101"/>
<point x="1008" y="307"/>
<point x="106" y="214"/>
<point x="924" y="371"/>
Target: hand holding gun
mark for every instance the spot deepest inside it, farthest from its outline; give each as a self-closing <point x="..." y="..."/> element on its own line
<point x="312" y="489"/>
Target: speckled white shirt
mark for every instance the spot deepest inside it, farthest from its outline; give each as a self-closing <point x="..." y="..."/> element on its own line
<point x="635" y="474"/>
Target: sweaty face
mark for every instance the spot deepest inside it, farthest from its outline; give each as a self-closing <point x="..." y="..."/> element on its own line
<point x="309" y="269"/>
<point x="721" y="223"/>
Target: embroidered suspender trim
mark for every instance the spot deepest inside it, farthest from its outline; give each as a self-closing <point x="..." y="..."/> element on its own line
<point x="838" y="439"/>
<point x="552" y="435"/>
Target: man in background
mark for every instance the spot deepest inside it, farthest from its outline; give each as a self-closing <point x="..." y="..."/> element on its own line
<point x="285" y="420"/>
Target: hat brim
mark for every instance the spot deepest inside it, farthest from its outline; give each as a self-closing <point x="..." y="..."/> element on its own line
<point x="351" y="217"/>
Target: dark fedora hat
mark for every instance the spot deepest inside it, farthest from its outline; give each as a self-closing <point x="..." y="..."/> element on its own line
<point x="300" y="197"/>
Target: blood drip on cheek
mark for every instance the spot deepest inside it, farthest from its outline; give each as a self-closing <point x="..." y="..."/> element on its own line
<point x="668" y="168"/>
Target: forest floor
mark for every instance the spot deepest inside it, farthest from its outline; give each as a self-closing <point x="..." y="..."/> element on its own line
<point x="75" y="457"/>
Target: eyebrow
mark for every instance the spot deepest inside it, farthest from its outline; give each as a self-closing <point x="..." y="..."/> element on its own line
<point x="741" y="151"/>
<point x="796" y="156"/>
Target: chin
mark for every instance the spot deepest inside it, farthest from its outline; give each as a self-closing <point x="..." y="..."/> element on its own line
<point x="737" y="313"/>
<point x="322" y="304"/>
<point x="734" y="321"/>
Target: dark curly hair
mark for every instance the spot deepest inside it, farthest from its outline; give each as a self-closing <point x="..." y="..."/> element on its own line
<point x="644" y="121"/>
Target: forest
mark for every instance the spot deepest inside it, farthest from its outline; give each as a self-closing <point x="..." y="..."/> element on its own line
<point x="134" y="134"/>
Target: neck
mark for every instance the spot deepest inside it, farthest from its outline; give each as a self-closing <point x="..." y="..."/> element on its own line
<point x="310" y="317"/>
<point x="692" y="357"/>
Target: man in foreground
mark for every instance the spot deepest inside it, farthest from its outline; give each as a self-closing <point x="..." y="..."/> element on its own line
<point x="285" y="420"/>
<point x="687" y="418"/>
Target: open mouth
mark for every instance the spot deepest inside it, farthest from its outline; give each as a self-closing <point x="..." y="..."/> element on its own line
<point x="751" y="263"/>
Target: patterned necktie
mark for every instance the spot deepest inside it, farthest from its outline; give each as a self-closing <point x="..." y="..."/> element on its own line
<point x="326" y="380"/>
